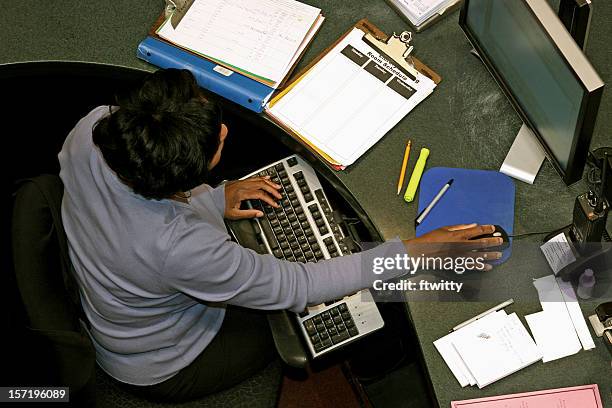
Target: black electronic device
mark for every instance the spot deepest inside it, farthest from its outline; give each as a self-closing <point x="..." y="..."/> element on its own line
<point x="597" y="169"/>
<point x="591" y="210"/>
<point x="604" y="313"/>
<point x="498" y="233"/>
<point x="587" y="232"/>
<point x="589" y="219"/>
<point x="576" y="16"/>
<point x="547" y="78"/>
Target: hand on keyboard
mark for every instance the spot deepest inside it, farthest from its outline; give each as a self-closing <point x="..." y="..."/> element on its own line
<point x="260" y="188"/>
<point x="303" y="228"/>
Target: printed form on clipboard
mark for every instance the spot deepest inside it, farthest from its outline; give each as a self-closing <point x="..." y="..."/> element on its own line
<point x="345" y="103"/>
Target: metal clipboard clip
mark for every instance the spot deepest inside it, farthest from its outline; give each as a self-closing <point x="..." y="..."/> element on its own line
<point x="398" y="49"/>
<point x="176" y="9"/>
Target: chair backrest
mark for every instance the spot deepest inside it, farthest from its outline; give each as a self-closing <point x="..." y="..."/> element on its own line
<point x="48" y="290"/>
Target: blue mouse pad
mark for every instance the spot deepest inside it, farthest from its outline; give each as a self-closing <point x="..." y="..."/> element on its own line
<point x="476" y="196"/>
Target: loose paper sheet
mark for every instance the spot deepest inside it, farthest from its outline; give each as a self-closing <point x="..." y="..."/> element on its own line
<point x="554" y="334"/>
<point x="558" y="300"/>
<point x="558" y="252"/>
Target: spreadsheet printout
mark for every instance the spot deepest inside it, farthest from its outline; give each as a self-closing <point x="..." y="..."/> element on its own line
<point x="261" y="37"/>
<point x="350" y="99"/>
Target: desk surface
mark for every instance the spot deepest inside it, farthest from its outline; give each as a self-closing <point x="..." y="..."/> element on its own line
<point x="467" y="122"/>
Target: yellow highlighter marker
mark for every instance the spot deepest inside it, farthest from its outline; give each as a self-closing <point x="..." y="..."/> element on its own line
<point x="415" y="178"/>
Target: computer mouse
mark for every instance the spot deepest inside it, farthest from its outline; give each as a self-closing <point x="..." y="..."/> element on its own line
<point x="498" y="233"/>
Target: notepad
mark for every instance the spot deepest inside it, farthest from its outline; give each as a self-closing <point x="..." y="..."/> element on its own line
<point x="497" y="350"/>
<point x="451" y="357"/>
<point x="259" y="38"/>
<point x="488" y="349"/>
<point x="349" y="100"/>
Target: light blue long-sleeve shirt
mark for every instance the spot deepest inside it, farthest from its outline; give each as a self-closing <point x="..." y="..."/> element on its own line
<point x="154" y="276"/>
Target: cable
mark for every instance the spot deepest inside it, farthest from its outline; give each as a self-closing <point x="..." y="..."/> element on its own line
<point x="529" y="233"/>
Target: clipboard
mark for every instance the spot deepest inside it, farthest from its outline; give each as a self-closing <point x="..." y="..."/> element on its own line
<point x="176" y="9"/>
<point x="376" y="39"/>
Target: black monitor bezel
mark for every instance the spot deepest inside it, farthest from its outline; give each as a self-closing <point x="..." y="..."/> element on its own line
<point x="589" y="105"/>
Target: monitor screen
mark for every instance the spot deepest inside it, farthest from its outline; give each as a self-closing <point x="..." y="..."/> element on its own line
<point x="533" y="70"/>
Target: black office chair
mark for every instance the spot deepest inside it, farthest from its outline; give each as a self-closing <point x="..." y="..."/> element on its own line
<point x="55" y="332"/>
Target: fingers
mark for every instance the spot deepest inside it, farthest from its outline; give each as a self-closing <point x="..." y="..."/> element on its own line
<point x="487" y="255"/>
<point x="490" y="242"/>
<point x="475" y="231"/>
<point x="461" y="246"/>
<point x="460" y="227"/>
<point x="259" y="195"/>
<point x="264" y="183"/>
<point x="270" y="187"/>
<point x="256" y="188"/>
<point x="270" y="182"/>
<point x="265" y="179"/>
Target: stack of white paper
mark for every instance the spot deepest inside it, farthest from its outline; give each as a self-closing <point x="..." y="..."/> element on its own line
<point x="498" y="344"/>
<point x="488" y="349"/>
<point x="261" y="39"/>
<point x="419" y="11"/>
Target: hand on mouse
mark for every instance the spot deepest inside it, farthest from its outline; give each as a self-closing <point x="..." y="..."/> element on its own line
<point x="457" y="241"/>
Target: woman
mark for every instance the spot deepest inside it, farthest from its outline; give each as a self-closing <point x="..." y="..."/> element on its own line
<point x="154" y="262"/>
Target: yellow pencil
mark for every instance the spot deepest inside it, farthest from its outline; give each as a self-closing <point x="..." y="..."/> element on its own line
<point x="403" y="172"/>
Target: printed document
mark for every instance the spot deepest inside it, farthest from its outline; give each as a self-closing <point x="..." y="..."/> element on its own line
<point x="585" y="396"/>
<point x="349" y="100"/>
<point x="558" y="252"/>
<point x="418" y="11"/>
<point x="258" y="37"/>
<point x="421" y="10"/>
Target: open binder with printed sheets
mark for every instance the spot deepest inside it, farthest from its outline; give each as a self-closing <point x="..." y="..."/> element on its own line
<point x="262" y="39"/>
<point x="240" y="50"/>
<point x="353" y="94"/>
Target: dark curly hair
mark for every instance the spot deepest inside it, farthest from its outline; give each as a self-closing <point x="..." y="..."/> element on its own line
<point x="163" y="136"/>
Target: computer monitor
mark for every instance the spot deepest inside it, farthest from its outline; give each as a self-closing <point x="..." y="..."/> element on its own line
<point x="547" y="78"/>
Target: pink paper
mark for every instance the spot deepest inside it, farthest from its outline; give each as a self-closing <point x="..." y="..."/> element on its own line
<point x="584" y="396"/>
